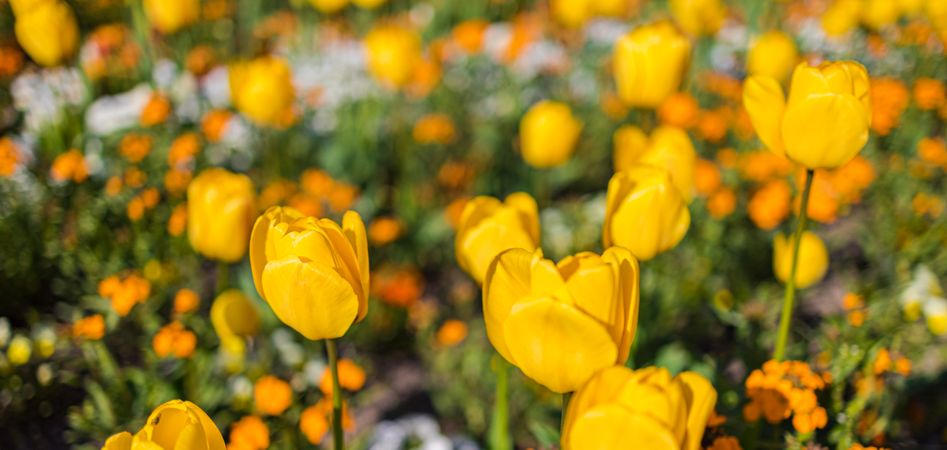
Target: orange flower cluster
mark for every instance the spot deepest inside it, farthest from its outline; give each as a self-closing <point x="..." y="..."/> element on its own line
<point x="272" y="395"/>
<point x="177" y="223"/>
<point x="174" y="339"/>
<point x="721" y="200"/>
<point x="249" y="433"/>
<point x="384" y="230"/>
<point x="889" y="98"/>
<point x="835" y="189"/>
<point x="725" y="443"/>
<point x="315" y="420"/>
<point x="125" y="292"/>
<point x="434" y="129"/>
<point x="316" y="191"/>
<point x="156" y="111"/>
<point x="397" y="286"/>
<point x="932" y="153"/>
<point x="929" y="93"/>
<point x="69" y="166"/>
<point x="215" y="123"/>
<point x="351" y="377"/>
<point x="783" y="389"/>
<point x="9" y="157"/>
<point x="185" y="301"/>
<point x="885" y="363"/>
<point x="135" y="147"/>
<point x="111" y="52"/>
<point x="89" y="327"/>
<point x="11" y="60"/>
<point x="142" y="202"/>
<point x="457" y="175"/>
<point x="927" y="205"/>
<point x="181" y="160"/>
<point x="854" y="306"/>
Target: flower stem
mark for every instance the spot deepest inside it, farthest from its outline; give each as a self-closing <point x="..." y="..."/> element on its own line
<point x="223" y="276"/>
<point x="562" y="417"/>
<point x="499" y="433"/>
<point x="338" y="439"/>
<point x="790" y="294"/>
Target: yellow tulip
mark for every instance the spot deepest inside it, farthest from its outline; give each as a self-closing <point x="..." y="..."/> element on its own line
<point x="668" y="147"/>
<point x="262" y="89"/>
<point x="877" y="14"/>
<point x="841" y="17"/>
<point x="773" y="55"/>
<point x="176" y="424"/>
<point x="825" y="121"/>
<point x="699" y="17"/>
<point x="487" y="227"/>
<point x="21" y="7"/>
<point x="19" y="350"/>
<point x="611" y="8"/>
<point x="169" y="16"/>
<point x="47" y="31"/>
<point x="393" y="53"/>
<point x="561" y="323"/>
<point x="369" y="4"/>
<point x="619" y="408"/>
<point x="329" y="6"/>
<point x="312" y="272"/>
<point x="644" y="212"/>
<point x="234" y="318"/>
<point x="813" y="259"/>
<point x="571" y="13"/>
<point x="649" y="63"/>
<point x="548" y="134"/>
<point x="220" y="208"/>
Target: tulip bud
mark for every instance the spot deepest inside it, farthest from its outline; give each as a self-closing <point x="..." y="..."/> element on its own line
<point x="312" y="272"/>
<point x="234" y="318"/>
<point x="649" y="63"/>
<point x="548" y="134"/>
<point x="699" y="17"/>
<point x="393" y="52"/>
<point x="668" y="147"/>
<point x="645" y="408"/>
<point x="262" y="89"/>
<point x="169" y="16"/>
<point x="824" y="122"/>
<point x="644" y="212"/>
<point x="487" y="227"/>
<point x="813" y="259"/>
<point x="220" y="208"/>
<point x="176" y="424"/>
<point x="47" y="31"/>
<point x="773" y="55"/>
<point x="561" y="323"/>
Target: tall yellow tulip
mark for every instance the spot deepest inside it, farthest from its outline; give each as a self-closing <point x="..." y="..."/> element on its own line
<point x="648" y="409"/>
<point x="649" y="64"/>
<point x="823" y="124"/>
<point x="312" y="272"/>
<point x="548" y="134"/>
<point x="234" y="318"/>
<point x="220" y="209"/>
<point x="561" y="323"/>
<point x="488" y="226"/>
<point x="644" y="211"/>
<point x="169" y="16"/>
<point x="813" y="259"/>
<point x="393" y="53"/>
<point x="262" y="89"/>
<point x="699" y="17"/>
<point x="46" y="30"/>
<point x="176" y="424"/>
<point x="773" y="55"/>
<point x="668" y="147"/>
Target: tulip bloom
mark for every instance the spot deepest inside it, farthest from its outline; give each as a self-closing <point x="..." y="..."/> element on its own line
<point x="813" y="259"/>
<point x="393" y="53"/>
<point x="220" y="208"/>
<point x="312" y="272"/>
<point x="561" y="323"/>
<point x="699" y="17"/>
<point x="234" y="317"/>
<point x="644" y="212"/>
<point x="169" y="16"/>
<point x="645" y="408"/>
<point x="548" y="134"/>
<point x="773" y="55"/>
<point x="46" y="30"/>
<point x="649" y="63"/>
<point x="175" y="424"/>
<point x="487" y="227"/>
<point x="824" y="122"/>
<point x="262" y="89"/>
<point x="668" y="147"/>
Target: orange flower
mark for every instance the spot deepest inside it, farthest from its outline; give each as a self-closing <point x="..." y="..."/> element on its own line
<point x="156" y="110"/>
<point x="928" y="93"/>
<point x="782" y="389"/>
<point x="706" y="177"/>
<point x="426" y="76"/>
<point x="113" y="186"/>
<point x="177" y="223"/>
<point x="9" y="157"/>
<point x="135" y="147"/>
<point x="455" y="175"/>
<point x="69" y="166"/>
<point x="342" y="196"/>
<point x="468" y="35"/>
<point x="769" y="206"/>
<point x="11" y="60"/>
<point x="89" y="327"/>
<point x="679" y="109"/>
<point x="249" y="433"/>
<point x="434" y="129"/>
<point x="761" y="166"/>
<point x="215" y="123"/>
<point x="725" y="443"/>
<point x="854" y="305"/>
<point x="454" y="210"/>
<point x="823" y="199"/>
<point x="177" y="180"/>
<point x="712" y="124"/>
<point x="933" y="151"/>
<point x="276" y="193"/>
<point x="174" y="339"/>
<point x="451" y="333"/>
<point x="722" y="203"/>
<point x="384" y="230"/>
<point x="125" y="293"/>
<point x="728" y="157"/>
<point x="314" y="424"/>
<point x="852" y="178"/>
<point x="889" y="98"/>
<point x="200" y="59"/>
<point x="272" y="395"/>
<point x="397" y="286"/>
<point x="186" y="301"/>
<point x="183" y="149"/>
<point x="351" y="377"/>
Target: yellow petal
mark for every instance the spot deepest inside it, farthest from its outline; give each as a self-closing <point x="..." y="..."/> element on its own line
<point x="599" y="390"/>
<point x="350" y="268"/>
<point x="825" y="131"/>
<point x="311" y="298"/>
<point x="481" y="244"/>
<point x="529" y="212"/>
<point x="611" y="427"/>
<point x="557" y="345"/>
<point x="651" y="218"/>
<point x="670" y="148"/>
<point x="628" y="273"/>
<point x="354" y="229"/>
<point x="507" y="282"/>
<point x="260" y="239"/>
<point x="701" y="397"/>
<point x="118" y="441"/>
<point x="592" y="283"/>
<point x="765" y="103"/>
<point x="629" y="144"/>
<point x="234" y="317"/>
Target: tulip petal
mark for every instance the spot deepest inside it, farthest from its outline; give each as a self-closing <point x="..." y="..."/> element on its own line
<point x="592" y="283"/>
<point x="556" y="344"/>
<point x="765" y="103"/>
<point x="825" y="131"/>
<point x="311" y="298"/>
<point x="628" y="274"/>
<point x="354" y="229"/>
<point x="808" y="81"/>
<point x="260" y="239"/>
<point x="629" y="144"/>
<point x="611" y="427"/>
<point x="118" y="441"/>
<point x="701" y="397"/>
<point x="600" y="389"/>
<point x="650" y="220"/>
<point x="529" y="212"/>
<point x="507" y="281"/>
<point x="350" y="268"/>
<point x="481" y="244"/>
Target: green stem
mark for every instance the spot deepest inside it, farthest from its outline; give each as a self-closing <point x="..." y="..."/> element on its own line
<point x="790" y="294"/>
<point x="223" y="276"/>
<point x="338" y="439"/>
<point x="562" y="416"/>
<point x="499" y="433"/>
